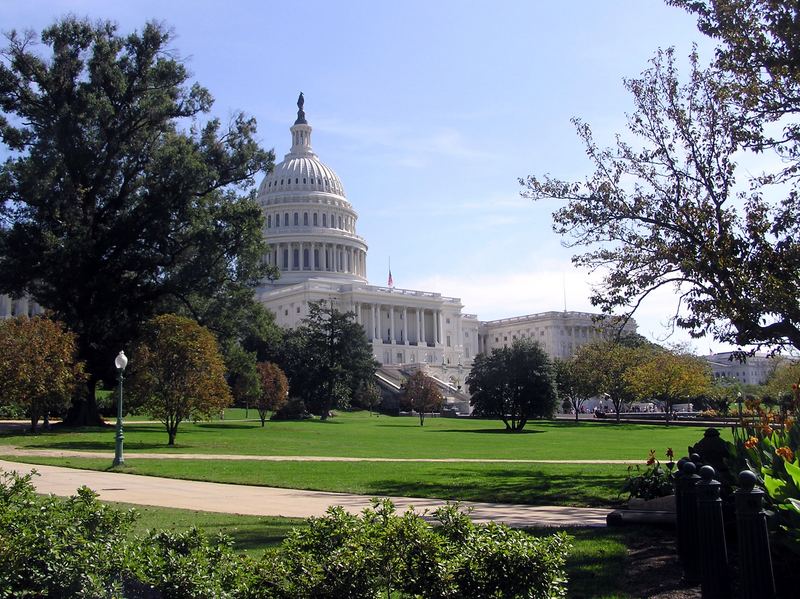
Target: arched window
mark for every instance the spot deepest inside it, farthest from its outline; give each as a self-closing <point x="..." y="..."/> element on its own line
<point x="269" y="221"/>
<point x="324" y="220"/>
<point x="296" y="219"/>
<point x="285" y="219"/>
<point x="315" y="219"/>
<point x="340" y="222"/>
<point x="286" y="259"/>
<point x="305" y="219"/>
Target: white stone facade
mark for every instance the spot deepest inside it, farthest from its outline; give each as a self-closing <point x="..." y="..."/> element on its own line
<point x="559" y="333"/>
<point x="755" y="371"/>
<point x="10" y="307"/>
<point x="311" y="228"/>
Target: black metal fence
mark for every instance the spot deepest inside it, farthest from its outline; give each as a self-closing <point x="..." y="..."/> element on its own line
<point x="701" y="528"/>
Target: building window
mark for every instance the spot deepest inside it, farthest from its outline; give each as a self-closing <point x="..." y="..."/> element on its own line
<point x="286" y="312"/>
<point x="305" y="259"/>
<point x="340" y="222"/>
<point x="295" y="259"/>
<point x="269" y="221"/>
<point x="324" y="220"/>
<point x="298" y="309"/>
<point x="277" y="220"/>
<point x="296" y="219"/>
<point x="447" y="320"/>
<point x="315" y="219"/>
<point x="286" y="259"/>
<point x="305" y="219"/>
<point x="448" y="341"/>
<point x="285" y="219"/>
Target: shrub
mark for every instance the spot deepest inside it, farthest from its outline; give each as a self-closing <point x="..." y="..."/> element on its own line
<point x="294" y="409"/>
<point x="52" y="547"/>
<point x="654" y="481"/>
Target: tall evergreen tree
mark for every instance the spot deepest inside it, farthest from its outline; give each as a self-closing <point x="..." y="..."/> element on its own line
<point x="327" y="358"/>
<point x="120" y="199"/>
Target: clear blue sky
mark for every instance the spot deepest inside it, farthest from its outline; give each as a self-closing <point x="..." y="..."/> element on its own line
<point x="429" y="112"/>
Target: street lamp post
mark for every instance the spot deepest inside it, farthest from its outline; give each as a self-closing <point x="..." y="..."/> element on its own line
<point x="444" y="376"/>
<point x="739" y="401"/>
<point x="460" y="374"/>
<point x="121" y="361"/>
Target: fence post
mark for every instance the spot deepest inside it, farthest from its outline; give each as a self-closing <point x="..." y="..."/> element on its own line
<point x="686" y="520"/>
<point x="755" y="560"/>
<point x="714" y="577"/>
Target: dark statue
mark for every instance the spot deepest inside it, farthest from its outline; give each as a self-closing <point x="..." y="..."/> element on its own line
<point x="301" y="116"/>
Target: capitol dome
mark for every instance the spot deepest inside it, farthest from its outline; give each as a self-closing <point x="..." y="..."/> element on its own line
<point x="310" y="225"/>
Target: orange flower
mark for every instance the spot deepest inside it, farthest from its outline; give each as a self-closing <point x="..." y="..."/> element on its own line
<point x="789" y="422"/>
<point x="651" y="459"/>
<point x="750" y="443"/>
<point x="786" y="453"/>
<point x="670" y="454"/>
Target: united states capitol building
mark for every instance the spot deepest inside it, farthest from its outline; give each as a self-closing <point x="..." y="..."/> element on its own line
<point x="311" y="229"/>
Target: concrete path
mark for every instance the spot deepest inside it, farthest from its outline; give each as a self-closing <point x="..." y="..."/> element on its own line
<point x="69" y="453"/>
<point x="268" y="501"/>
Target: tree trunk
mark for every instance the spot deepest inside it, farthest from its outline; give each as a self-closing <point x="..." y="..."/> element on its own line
<point x="171" y="437"/>
<point x="576" y="415"/>
<point x="83" y="411"/>
<point x="421" y="418"/>
<point x="34" y="420"/>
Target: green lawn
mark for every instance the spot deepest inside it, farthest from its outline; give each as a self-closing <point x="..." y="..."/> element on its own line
<point x="360" y="435"/>
<point x="533" y="484"/>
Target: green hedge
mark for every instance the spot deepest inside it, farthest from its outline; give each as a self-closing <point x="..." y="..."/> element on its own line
<point x="50" y="547"/>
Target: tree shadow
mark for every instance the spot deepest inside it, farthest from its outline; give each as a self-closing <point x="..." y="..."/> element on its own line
<point x="226" y="425"/>
<point x="491" y="431"/>
<point x="505" y="485"/>
<point x="103" y="445"/>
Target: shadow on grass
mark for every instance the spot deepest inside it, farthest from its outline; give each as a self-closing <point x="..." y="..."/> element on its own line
<point x="490" y="431"/>
<point x="103" y="445"/>
<point x="224" y="425"/>
<point x="510" y="486"/>
<point x="253" y="539"/>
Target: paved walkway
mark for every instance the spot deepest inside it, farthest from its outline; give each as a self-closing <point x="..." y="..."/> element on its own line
<point x="69" y="453"/>
<point x="268" y="501"/>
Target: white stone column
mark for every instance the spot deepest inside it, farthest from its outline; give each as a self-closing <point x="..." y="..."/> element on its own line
<point x="302" y="256"/>
<point x="404" y="328"/>
<point x="420" y="326"/>
<point x="391" y="325"/>
<point x="374" y="322"/>
<point x="441" y="326"/>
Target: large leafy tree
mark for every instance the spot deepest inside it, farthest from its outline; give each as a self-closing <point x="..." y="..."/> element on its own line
<point x="513" y="384"/>
<point x="119" y="199"/>
<point x="670" y="377"/>
<point x="327" y="358"/>
<point x="758" y="57"/>
<point x="273" y="391"/>
<point x="177" y="372"/>
<point x="574" y="379"/>
<point x="667" y="206"/>
<point x="421" y="394"/>
<point x="38" y="369"/>
<point x="604" y="368"/>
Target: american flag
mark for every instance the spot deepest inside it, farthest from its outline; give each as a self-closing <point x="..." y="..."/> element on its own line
<point x="391" y="280"/>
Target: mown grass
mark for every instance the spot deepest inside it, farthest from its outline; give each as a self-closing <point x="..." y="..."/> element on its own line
<point x="590" y="485"/>
<point x="361" y="435"/>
